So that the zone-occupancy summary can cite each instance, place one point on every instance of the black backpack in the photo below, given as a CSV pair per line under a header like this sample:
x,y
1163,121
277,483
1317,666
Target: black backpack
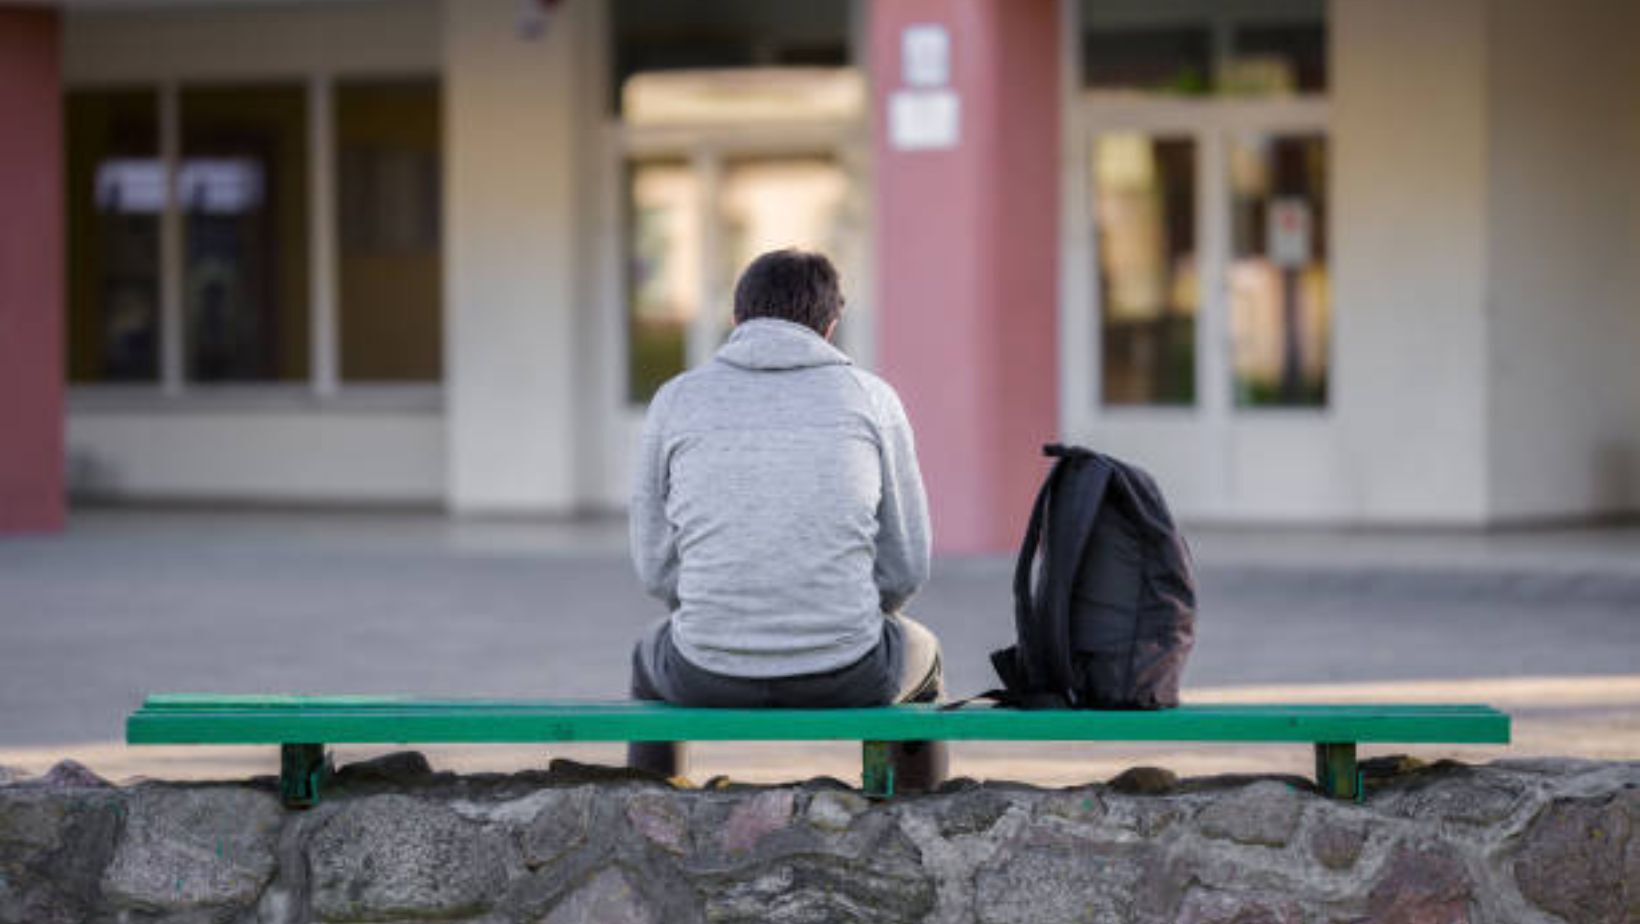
x,y
1110,617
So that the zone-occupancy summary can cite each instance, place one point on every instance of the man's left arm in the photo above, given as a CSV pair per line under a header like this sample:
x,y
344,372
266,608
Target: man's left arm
x,y
903,552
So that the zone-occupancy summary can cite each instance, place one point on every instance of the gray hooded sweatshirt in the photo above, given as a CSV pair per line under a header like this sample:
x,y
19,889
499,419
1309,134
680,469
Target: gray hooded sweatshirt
x,y
777,507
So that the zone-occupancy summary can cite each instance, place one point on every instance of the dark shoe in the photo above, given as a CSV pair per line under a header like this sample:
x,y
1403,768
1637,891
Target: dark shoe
x,y
662,758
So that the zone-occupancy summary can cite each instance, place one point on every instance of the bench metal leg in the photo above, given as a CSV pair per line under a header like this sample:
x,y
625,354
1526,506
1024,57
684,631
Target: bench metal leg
x,y
1336,772
303,769
877,769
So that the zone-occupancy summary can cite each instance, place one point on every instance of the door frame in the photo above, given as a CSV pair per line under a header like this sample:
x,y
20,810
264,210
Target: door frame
x,y
707,149
1191,443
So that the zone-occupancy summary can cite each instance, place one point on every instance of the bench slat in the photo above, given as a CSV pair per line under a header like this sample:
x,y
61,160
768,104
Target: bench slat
x,y
217,719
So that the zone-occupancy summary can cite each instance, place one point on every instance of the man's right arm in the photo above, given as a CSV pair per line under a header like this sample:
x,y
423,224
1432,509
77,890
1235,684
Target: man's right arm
x,y
653,539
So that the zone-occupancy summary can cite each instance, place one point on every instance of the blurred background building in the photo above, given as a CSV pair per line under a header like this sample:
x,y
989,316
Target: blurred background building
x,y
1347,262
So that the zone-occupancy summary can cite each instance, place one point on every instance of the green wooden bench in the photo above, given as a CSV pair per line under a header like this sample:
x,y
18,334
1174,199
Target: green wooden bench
x,y
304,725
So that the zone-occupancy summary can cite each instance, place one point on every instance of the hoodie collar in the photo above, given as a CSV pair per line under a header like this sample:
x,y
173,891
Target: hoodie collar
x,y
773,344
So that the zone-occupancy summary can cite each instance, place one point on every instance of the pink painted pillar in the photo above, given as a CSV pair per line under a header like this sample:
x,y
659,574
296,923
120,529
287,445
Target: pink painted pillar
x,y
31,272
967,255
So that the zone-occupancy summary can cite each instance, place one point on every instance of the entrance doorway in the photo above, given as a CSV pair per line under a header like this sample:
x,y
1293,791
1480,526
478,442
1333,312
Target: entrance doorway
x,y
693,224
694,205
1197,312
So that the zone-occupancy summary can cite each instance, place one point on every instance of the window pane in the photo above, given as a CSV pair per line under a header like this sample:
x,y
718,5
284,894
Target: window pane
x,y
1262,48
768,204
663,272
242,186
650,36
1280,315
1145,219
389,269
116,192
1169,60
1278,59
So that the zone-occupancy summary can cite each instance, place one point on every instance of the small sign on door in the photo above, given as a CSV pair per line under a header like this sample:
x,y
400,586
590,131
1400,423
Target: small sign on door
x,y
1289,238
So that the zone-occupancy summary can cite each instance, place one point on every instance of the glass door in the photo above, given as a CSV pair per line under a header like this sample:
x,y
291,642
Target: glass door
x,y
1149,280
1280,314
694,224
1198,301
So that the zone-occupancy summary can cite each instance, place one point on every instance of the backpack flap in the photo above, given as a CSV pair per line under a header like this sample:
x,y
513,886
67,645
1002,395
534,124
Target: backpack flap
x,y
1135,599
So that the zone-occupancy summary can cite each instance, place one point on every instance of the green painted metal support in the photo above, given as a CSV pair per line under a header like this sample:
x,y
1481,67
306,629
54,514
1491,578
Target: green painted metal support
x,y
303,770
1335,770
877,769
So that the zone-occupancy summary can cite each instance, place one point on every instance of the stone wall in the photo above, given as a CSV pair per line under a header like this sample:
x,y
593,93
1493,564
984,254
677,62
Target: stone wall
x,y
1539,841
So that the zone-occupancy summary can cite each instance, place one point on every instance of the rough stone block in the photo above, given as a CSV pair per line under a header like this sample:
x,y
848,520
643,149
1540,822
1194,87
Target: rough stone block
x,y
815,888
398,767
658,817
1336,843
1580,859
754,818
1208,906
835,810
1464,797
185,848
1144,781
559,826
53,850
395,856
607,898
1421,885
1056,880
1263,813
71,774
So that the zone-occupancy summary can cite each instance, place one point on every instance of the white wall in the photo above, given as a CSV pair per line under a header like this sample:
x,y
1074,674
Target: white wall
x,y
365,36
1564,274
510,258
266,455
1410,151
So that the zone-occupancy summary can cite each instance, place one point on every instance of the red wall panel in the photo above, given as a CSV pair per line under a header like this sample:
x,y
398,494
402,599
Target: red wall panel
x,y
31,272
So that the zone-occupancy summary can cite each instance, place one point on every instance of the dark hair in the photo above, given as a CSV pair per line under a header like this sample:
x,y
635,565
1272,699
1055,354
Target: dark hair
x,y
792,285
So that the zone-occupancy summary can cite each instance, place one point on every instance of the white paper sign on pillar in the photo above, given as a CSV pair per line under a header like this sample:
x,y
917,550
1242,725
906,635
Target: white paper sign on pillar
x,y
927,114
924,120
925,55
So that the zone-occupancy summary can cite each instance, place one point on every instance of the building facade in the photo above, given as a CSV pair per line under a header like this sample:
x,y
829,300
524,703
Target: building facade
x,y
1350,262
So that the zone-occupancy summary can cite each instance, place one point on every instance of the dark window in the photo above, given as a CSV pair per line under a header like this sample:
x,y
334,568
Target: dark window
x,y
116,194
242,187
1175,60
667,35
1144,191
663,290
1296,55
1280,304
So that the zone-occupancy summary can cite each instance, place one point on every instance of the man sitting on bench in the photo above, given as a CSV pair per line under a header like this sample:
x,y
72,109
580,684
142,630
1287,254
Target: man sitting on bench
x,y
778,511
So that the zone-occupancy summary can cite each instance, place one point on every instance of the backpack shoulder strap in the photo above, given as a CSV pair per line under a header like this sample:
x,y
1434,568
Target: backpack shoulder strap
x,y
1021,667
1064,512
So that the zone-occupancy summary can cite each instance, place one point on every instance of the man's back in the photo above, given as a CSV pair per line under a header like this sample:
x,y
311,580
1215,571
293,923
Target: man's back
x,y
777,506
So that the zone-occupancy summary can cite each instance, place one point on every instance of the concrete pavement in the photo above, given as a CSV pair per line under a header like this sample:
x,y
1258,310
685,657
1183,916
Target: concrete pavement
x,y
131,600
